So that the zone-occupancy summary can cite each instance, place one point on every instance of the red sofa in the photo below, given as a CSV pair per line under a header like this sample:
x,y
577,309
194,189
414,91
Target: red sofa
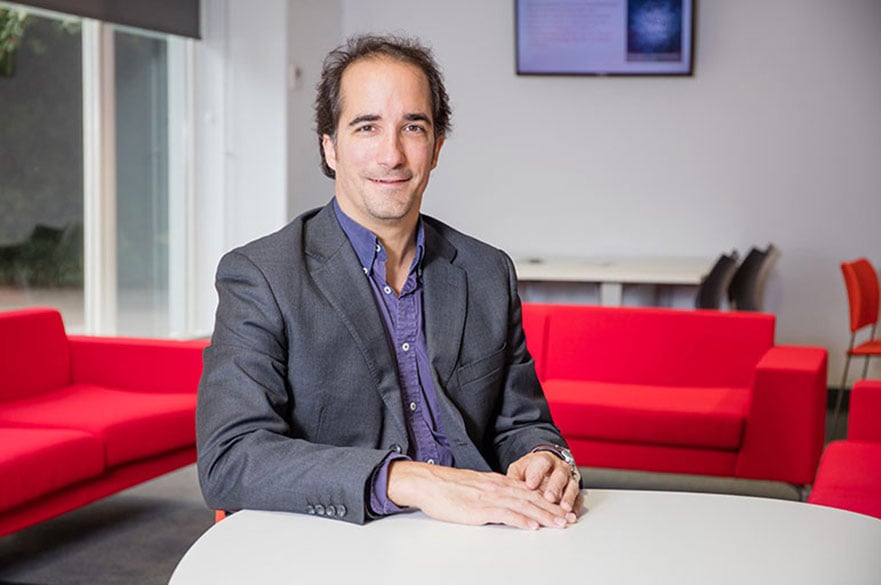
x,y
849,476
84,417
696,392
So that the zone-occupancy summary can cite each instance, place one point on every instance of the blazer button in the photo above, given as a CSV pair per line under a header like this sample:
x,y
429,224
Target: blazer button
x,y
331,511
341,510
319,509
396,448
310,509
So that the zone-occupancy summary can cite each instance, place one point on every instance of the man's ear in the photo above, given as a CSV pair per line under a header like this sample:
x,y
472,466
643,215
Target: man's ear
x,y
437,148
329,150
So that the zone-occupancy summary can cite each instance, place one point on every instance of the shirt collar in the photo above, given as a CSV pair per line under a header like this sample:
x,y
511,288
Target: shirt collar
x,y
367,245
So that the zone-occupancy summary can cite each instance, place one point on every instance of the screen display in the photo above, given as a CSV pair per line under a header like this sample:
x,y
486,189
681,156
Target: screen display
x,y
604,37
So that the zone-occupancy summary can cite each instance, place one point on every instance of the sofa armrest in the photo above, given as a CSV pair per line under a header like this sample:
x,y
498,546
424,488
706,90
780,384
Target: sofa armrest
x,y
153,365
786,421
864,420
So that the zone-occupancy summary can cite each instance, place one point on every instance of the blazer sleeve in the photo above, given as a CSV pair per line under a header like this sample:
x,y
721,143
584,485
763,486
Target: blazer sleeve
x,y
249,454
524,420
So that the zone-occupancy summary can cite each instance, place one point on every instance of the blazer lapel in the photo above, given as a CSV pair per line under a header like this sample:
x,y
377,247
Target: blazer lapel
x,y
445,293
335,268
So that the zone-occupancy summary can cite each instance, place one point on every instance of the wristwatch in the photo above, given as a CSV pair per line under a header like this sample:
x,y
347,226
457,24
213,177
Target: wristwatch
x,y
564,454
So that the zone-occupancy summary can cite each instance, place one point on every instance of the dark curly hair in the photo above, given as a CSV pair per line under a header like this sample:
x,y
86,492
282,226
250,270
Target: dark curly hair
x,y
408,50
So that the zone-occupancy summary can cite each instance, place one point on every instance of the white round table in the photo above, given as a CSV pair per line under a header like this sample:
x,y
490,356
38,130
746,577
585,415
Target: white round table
x,y
624,537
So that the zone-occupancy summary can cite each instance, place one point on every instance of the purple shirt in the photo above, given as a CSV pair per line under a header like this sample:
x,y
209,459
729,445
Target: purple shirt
x,y
402,316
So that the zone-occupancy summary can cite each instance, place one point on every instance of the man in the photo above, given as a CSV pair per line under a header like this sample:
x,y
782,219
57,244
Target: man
x,y
367,359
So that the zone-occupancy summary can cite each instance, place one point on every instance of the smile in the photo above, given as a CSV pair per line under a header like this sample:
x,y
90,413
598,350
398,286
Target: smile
x,y
390,181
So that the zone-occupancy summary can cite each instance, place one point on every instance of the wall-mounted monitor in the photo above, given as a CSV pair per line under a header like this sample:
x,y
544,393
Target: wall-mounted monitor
x,y
605,37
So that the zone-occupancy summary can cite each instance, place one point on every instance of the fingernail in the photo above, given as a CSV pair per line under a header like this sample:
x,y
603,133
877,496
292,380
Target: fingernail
x,y
571,517
560,521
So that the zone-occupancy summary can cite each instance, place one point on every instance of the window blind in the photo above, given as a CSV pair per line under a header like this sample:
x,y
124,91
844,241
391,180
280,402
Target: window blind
x,y
176,17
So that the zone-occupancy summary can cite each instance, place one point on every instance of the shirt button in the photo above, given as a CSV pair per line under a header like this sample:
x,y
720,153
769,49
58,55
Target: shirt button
x,y
430,461
387,290
412,406
396,448
405,346
378,247
364,268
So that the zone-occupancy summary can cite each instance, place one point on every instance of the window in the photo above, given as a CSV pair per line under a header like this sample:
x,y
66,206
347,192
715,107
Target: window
x,y
41,167
94,175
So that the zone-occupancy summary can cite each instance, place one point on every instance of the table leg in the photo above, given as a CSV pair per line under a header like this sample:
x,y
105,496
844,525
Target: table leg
x,y
611,294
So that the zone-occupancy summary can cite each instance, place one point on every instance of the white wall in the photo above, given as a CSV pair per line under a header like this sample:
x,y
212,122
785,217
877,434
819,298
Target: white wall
x,y
315,28
776,138
241,126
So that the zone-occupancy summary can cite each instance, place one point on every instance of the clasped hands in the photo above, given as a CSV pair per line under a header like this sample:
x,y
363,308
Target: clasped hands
x,y
537,491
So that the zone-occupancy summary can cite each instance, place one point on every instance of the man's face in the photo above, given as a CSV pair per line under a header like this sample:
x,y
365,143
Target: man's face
x,y
385,147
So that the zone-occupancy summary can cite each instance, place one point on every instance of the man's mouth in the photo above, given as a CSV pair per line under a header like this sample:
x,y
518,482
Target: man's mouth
x,y
390,180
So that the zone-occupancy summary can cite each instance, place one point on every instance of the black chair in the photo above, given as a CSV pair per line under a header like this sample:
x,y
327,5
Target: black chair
x,y
747,289
714,285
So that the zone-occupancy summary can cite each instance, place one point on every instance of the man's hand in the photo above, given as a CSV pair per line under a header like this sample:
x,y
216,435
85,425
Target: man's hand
x,y
551,476
472,497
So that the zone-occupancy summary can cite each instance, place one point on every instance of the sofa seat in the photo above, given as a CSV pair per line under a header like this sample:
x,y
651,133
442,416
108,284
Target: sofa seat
x,y
132,425
849,477
38,461
705,418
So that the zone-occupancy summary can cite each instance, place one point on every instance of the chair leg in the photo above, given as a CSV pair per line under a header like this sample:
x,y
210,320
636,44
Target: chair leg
x,y
841,389
865,367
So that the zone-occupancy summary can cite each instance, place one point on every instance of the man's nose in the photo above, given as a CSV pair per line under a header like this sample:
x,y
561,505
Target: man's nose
x,y
391,153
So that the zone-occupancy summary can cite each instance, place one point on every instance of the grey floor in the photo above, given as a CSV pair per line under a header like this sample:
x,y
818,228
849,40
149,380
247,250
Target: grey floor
x,y
134,537
139,535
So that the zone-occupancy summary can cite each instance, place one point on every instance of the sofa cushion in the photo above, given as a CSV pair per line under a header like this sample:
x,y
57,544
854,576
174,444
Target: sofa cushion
x,y
535,323
662,415
133,425
36,461
849,477
664,347
34,355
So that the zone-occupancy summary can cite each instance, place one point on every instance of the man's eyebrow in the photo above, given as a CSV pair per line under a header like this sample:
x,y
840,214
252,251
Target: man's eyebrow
x,y
364,118
418,118
414,117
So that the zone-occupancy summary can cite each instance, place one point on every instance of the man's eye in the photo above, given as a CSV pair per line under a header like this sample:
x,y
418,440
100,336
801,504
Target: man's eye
x,y
366,128
415,128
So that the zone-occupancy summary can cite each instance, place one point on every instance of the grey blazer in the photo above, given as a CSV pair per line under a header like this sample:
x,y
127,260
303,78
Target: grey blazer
x,y
299,400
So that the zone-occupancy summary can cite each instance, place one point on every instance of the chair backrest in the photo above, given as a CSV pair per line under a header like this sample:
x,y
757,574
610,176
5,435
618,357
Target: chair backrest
x,y
714,285
747,288
861,281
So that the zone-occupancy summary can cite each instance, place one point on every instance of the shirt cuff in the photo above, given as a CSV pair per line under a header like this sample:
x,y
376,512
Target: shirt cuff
x,y
380,504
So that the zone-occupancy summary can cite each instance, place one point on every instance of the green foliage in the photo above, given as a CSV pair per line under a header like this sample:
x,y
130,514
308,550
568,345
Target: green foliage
x,y
12,24
50,257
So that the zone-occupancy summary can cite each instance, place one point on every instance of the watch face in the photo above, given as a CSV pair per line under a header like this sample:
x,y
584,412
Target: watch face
x,y
567,455
568,458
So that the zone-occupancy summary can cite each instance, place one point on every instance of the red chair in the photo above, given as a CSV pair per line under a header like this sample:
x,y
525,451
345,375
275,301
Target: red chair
x,y
849,474
861,281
